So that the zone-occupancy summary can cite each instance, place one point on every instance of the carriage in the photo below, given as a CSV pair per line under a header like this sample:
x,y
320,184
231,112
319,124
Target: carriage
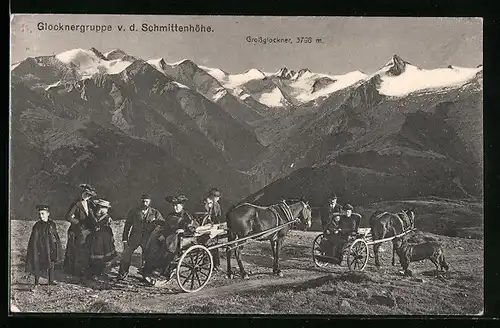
x,y
355,250
193,263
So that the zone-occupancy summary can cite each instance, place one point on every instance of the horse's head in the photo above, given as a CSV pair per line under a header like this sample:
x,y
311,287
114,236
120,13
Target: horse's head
x,y
305,215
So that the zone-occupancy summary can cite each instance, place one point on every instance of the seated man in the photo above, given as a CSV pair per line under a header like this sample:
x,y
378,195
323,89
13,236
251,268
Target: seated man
x,y
163,245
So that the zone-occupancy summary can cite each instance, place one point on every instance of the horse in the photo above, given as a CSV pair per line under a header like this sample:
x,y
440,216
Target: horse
x,y
248,219
386,225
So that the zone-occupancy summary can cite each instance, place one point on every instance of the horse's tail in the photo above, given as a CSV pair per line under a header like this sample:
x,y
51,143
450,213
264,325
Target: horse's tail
x,y
228,215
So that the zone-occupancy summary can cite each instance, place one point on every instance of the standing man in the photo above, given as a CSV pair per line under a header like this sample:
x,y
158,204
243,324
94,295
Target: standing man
x,y
330,214
44,247
140,224
210,206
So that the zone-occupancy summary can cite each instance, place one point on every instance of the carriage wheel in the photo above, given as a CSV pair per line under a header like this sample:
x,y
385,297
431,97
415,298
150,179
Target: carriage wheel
x,y
194,268
316,251
358,255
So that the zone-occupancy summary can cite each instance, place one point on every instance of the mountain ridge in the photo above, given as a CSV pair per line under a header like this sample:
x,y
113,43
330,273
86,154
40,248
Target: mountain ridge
x,y
250,133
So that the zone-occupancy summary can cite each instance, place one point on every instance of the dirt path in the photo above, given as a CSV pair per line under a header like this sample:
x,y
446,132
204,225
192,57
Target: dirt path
x,y
238,285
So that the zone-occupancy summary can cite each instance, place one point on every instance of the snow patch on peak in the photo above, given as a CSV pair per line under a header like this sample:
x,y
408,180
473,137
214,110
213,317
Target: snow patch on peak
x,y
53,85
182,61
303,86
415,79
180,85
245,96
216,73
79,57
88,63
237,80
274,98
115,54
285,73
157,63
219,93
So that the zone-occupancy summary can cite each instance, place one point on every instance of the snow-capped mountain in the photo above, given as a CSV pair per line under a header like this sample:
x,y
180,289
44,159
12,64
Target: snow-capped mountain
x,y
400,124
91,62
399,78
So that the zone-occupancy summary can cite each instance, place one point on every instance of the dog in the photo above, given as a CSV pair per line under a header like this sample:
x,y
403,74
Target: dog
x,y
408,253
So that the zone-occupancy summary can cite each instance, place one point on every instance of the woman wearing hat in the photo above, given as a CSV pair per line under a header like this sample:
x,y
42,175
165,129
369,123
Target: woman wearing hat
x,y
80,214
101,242
162,246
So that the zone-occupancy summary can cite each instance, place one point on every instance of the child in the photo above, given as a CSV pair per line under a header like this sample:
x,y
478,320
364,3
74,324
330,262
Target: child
x,y
44,247
101,241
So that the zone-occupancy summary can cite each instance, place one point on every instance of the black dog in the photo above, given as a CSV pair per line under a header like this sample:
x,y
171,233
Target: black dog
x,y
412,253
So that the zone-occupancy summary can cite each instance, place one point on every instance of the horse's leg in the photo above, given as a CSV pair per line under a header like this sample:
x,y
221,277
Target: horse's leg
x,y
279,244
393,253
375,252
273,251
230,238
436,263
237,251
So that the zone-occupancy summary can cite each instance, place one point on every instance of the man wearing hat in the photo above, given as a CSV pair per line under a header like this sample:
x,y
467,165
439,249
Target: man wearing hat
x,y
330,214
80,214
139,226
44,247
210,206
162,247
101,242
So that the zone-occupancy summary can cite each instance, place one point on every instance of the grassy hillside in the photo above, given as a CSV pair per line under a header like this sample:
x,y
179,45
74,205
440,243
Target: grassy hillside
x,y
453,218
304,289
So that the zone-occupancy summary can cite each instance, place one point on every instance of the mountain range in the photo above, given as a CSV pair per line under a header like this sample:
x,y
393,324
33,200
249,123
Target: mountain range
x,y
130,125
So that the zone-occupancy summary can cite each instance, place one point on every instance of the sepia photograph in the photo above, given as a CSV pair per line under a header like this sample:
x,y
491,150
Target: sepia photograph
x,y
258,165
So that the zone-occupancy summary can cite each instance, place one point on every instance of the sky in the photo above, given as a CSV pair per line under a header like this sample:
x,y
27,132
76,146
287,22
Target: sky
x,y
348,43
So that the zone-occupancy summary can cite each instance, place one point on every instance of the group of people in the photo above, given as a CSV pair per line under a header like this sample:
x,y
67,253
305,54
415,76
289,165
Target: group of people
x,y
338,223
90,248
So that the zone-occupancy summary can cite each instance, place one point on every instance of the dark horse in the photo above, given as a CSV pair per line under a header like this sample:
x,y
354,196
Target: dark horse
x,y
386,225
247,219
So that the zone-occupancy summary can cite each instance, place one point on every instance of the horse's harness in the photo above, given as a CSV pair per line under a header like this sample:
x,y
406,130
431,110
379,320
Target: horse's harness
x,y
398,215
287,212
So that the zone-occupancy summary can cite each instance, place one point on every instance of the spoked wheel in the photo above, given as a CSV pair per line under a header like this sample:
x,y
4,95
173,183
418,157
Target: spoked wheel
x,y
317,253
358,255
194,268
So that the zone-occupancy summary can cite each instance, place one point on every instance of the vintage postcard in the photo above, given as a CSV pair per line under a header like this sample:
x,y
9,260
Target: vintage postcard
x,y
246,165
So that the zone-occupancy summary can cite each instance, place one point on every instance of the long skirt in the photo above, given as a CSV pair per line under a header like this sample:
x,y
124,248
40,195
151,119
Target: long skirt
x,y
159,254
102,251
76,258
332,245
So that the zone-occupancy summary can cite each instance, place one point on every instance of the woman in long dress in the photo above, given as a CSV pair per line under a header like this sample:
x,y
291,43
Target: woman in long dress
x,y
101,242
80,214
